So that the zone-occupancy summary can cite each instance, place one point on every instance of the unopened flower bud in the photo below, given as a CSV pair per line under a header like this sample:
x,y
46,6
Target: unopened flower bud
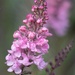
x,y
16,34
29,15
41,7
30,19
31,35
45,3
34,8
22,28
44,29
25,21
35,1
39,21
47,18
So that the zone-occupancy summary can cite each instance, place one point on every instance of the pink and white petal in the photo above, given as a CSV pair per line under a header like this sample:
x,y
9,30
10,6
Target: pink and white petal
x,y
17,70
13,47
17,54
10,51
45,48
24,46
10,69
25,61
9,63
7,57
42,65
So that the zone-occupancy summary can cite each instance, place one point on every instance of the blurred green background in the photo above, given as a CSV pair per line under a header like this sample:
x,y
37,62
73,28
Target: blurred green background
x,y
12,12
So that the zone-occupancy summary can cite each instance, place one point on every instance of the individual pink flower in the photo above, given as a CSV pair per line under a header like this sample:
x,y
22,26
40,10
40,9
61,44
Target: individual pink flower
x,y
15,68
40,62
42,45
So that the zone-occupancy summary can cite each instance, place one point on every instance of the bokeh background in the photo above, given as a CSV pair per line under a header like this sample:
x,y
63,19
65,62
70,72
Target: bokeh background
x,y
12,12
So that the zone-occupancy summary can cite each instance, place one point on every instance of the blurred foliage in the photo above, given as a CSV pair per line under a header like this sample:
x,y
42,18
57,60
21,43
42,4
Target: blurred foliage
x,y
12,12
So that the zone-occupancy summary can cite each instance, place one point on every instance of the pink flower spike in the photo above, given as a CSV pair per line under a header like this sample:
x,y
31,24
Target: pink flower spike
x,y
30,42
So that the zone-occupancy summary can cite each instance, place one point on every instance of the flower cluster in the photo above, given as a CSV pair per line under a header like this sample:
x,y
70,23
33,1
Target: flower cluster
x,y
30,41
58,11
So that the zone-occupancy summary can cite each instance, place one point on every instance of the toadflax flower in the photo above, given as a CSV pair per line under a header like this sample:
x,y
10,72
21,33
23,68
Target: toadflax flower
x,y
59,12
30,42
